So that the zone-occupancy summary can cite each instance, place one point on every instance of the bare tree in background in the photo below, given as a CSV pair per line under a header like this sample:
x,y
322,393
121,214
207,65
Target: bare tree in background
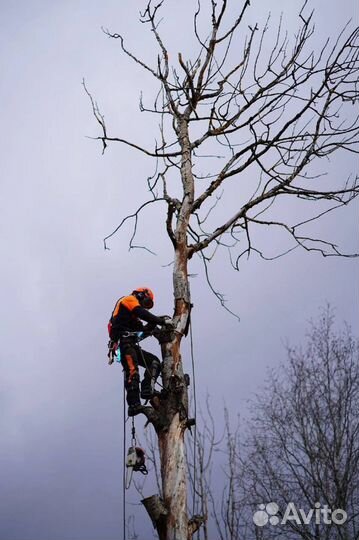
x,y
268,112
302,444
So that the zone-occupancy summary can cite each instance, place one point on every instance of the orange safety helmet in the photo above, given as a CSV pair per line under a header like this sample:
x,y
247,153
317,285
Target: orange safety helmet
x,y
145,296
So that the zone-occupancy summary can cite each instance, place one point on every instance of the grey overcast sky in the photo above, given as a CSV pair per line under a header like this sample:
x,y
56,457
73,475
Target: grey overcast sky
x,y
60,404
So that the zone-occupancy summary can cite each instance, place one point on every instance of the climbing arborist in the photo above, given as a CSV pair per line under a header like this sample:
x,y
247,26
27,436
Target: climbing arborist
x,y
123,328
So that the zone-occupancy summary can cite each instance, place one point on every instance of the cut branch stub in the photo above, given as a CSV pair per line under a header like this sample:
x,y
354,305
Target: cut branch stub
x,y
157,512
194,524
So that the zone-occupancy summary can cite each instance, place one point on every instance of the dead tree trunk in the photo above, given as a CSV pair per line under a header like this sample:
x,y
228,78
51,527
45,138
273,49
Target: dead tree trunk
x,y
171,423
173,409
171,439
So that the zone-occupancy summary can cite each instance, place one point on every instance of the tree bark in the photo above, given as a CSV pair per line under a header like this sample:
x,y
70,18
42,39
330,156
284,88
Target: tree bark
x,y
170,417
175,413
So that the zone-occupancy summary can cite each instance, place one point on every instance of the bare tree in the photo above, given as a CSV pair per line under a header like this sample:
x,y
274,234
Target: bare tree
x,y
267,113
302,444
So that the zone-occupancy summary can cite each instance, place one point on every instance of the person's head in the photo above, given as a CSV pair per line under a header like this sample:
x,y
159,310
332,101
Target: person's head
x,y
145,297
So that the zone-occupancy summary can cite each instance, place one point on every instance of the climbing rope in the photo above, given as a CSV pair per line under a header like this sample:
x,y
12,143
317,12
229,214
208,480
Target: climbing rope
x,y
124,461
195,417
133,432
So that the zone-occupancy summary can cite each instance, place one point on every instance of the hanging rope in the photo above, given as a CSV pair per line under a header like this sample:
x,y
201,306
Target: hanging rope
x,y
133,432
124,461
195,417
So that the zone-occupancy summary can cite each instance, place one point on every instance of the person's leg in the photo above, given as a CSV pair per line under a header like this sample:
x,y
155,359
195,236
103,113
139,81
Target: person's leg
x,y
129,360
152,367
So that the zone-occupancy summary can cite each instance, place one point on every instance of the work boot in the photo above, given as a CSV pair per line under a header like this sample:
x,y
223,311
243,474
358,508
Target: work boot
x,y
134,409
133,394
146,389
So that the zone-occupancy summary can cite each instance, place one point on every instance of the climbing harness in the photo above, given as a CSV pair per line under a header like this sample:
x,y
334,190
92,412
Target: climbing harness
x,y
114,351
136,460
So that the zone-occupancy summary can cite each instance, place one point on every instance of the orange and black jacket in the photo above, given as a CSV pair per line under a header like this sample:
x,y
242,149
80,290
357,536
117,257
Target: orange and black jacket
x,y
126,317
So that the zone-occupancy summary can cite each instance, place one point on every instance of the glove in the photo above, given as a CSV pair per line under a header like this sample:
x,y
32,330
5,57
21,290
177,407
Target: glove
x,y
166,321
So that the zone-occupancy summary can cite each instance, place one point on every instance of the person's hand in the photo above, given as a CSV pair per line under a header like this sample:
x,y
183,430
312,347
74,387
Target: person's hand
x,y
166,321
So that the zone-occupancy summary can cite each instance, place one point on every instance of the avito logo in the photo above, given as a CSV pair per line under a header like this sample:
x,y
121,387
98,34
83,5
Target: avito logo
x,y
267,513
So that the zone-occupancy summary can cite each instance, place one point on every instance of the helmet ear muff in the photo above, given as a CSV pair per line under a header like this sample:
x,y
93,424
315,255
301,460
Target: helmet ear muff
x,y
147,302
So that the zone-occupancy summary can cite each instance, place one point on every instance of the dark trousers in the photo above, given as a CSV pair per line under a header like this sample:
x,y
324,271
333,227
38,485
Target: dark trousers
x,y
133,356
